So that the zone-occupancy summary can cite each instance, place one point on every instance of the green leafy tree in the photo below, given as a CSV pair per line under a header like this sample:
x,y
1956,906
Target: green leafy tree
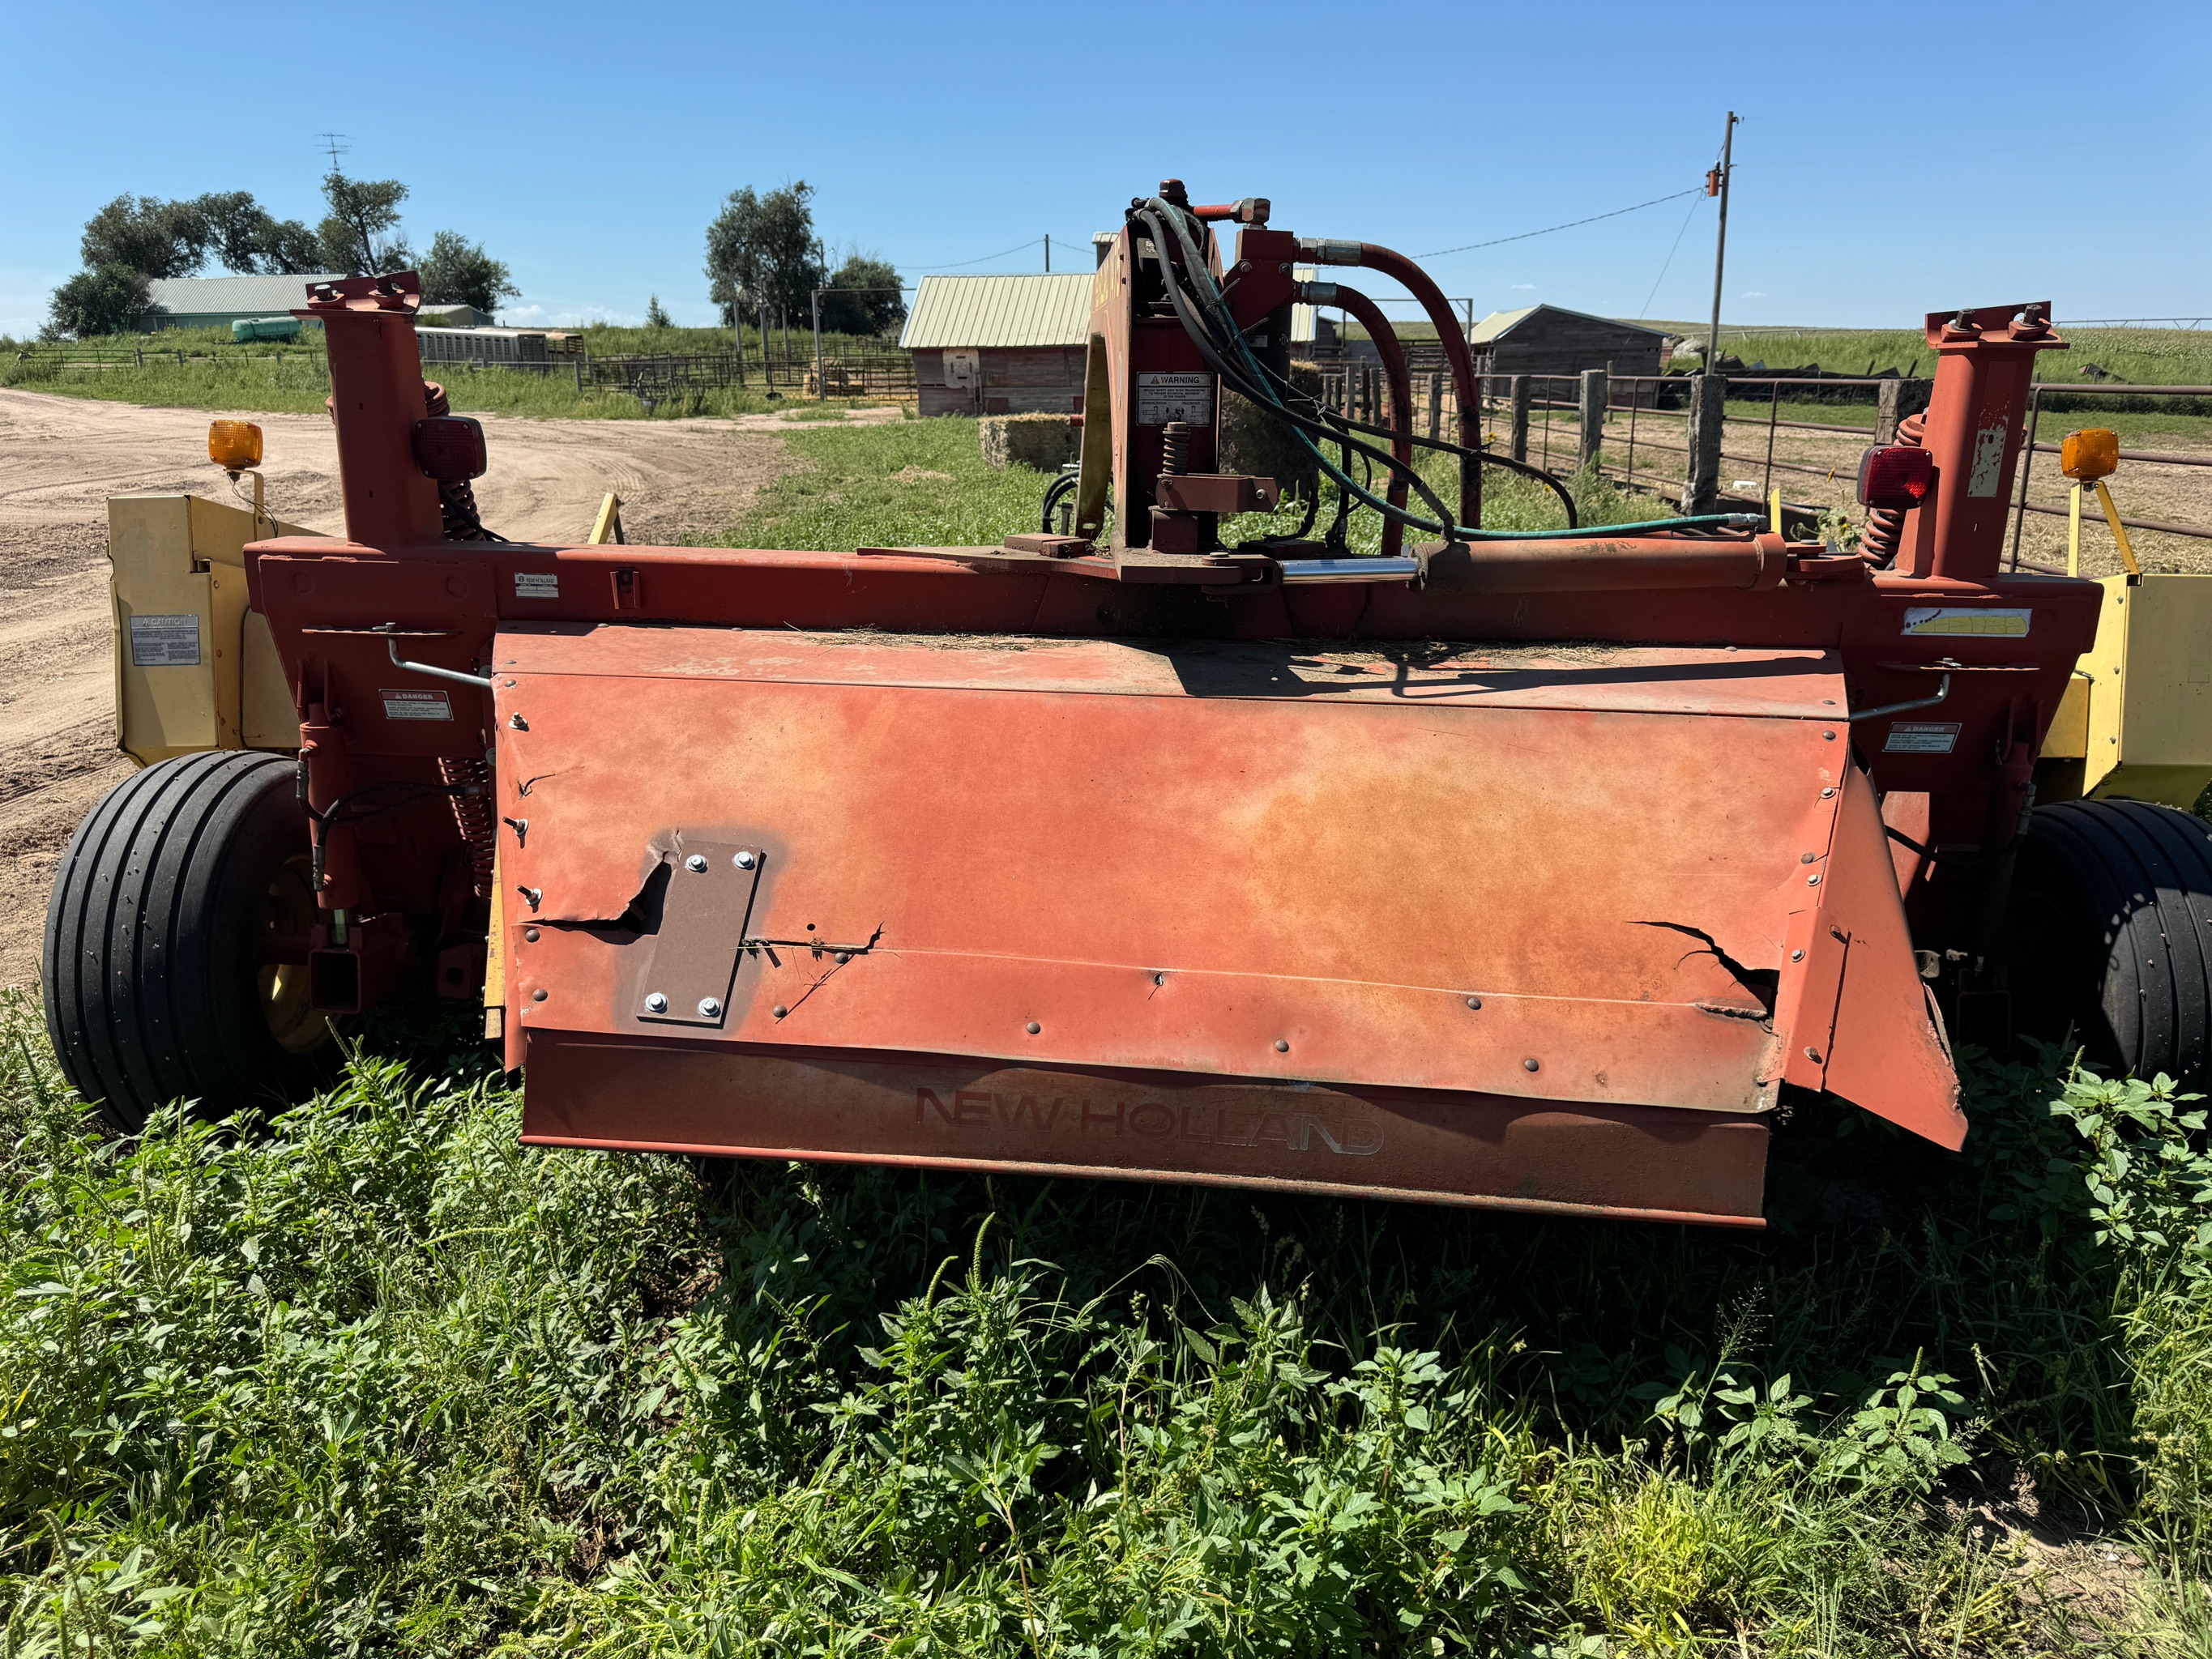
x,y
246,237
109,298
864,298
656,314
459,272
356,235
148,235
761,250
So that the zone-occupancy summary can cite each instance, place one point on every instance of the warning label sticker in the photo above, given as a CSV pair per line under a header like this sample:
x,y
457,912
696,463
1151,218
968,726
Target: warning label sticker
x,y
1984,620
1922,737
410,705
1164,397
537,584
165,642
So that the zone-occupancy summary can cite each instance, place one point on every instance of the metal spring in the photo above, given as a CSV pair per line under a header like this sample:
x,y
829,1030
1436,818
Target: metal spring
x,y
1886,524
472,815
1175,439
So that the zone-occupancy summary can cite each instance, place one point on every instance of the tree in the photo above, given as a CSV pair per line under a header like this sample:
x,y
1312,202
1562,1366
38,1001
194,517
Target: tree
x,y
761,251
353,233
148,235
109,298
864,298
459,272
656,314
246,238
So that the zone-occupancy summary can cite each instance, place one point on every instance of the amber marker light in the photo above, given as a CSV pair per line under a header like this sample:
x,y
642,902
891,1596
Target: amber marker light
x,y
234,445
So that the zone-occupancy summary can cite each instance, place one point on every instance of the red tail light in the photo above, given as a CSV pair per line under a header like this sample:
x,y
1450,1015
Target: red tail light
x,y
1896,479
450,449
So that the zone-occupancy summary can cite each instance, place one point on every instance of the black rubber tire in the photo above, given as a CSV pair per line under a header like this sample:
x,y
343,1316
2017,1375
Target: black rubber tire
x,y
2111,935
154,986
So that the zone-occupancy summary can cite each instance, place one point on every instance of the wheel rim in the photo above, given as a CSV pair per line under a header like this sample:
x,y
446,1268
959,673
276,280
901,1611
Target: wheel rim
x,y
288,912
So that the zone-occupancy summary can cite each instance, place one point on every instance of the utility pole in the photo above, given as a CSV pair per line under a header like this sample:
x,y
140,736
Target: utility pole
x,y
1717,183
1048,253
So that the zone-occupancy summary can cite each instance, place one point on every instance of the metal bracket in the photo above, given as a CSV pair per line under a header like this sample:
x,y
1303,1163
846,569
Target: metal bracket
x,y
693,962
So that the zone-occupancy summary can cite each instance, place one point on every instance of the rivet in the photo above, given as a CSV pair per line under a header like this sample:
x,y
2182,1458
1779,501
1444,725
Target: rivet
x,y
744,860
779,1011
1159,979
655,1003
696,864
1282,1045
529,934
537,995
1812,881
1813,1055
1830,736
1035,1028
1475,1002
1804,857
843,957
1796,956
1826,794
709,1008
1528,1066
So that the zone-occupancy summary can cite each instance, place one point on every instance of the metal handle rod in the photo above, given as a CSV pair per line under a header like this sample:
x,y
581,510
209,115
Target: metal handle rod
x,y
392,646
1942,690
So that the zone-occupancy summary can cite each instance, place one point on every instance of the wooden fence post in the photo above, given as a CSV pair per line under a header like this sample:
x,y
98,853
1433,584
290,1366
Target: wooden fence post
x,y
1435,406
1519,393
1708,407
1593,416
1896,400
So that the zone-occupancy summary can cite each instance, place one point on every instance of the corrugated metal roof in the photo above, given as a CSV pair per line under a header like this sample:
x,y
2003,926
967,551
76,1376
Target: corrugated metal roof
x,y
256,295
999,311
1502,322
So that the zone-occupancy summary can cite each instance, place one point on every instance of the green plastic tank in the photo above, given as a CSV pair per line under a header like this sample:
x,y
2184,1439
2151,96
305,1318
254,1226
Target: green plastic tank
x,y
265,328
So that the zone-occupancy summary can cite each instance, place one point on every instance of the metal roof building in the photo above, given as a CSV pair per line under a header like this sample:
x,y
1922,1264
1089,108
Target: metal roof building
x,y
999,345
1554,340
219,301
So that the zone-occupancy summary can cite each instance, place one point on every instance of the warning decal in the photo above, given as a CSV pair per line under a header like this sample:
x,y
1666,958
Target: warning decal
x,y
165,642
1164,397
410,705
1986,620
1922,737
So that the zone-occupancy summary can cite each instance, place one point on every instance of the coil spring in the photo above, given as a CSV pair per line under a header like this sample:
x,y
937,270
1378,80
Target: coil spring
x,y
471,815
1886,524
459,518
1174,441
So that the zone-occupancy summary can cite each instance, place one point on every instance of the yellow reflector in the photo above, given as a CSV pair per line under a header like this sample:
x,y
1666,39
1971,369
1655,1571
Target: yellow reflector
x,y
234,446
2089,454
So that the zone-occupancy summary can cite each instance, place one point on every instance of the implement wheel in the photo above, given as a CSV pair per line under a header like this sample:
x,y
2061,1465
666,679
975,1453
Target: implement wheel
x,y
176,948
2110,935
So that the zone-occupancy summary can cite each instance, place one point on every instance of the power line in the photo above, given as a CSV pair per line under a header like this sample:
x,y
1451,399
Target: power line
x,y
1033,241
1675,196
1669,259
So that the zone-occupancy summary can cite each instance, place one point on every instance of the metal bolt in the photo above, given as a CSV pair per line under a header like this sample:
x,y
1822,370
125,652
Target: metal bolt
x,y
709,1008
1159,979
1796,956
744,860
1475,1002
518,722
537,995
529,934
696,864
1035,1028
1830,736
1812,881
1282,1045
1528,1066
843,957
1804,857
1826,794
1813,1055
655,1003
780,1011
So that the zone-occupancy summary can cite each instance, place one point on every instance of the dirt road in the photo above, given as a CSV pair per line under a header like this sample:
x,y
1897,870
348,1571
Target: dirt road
x,y
61,458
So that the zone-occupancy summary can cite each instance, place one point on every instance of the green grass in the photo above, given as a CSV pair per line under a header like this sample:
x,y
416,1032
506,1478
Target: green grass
x,y
383,1381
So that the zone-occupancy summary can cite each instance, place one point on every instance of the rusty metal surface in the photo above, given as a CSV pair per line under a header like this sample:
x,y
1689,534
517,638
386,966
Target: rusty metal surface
x,y
1623,1162
1560,876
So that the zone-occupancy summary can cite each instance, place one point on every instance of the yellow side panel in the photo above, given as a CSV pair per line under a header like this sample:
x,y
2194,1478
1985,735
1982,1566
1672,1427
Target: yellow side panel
x,y
2068,737
268,719
2106,667
2158,739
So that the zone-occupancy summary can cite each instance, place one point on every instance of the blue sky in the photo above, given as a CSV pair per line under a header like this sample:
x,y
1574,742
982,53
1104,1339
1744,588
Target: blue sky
x,y
1893,158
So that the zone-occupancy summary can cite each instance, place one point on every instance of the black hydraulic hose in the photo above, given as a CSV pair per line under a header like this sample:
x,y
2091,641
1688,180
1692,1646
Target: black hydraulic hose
x,y
1152,212
1053,491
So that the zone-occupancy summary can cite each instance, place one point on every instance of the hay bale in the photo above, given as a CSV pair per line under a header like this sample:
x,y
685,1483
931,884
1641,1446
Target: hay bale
x,y
1047,442
1259,444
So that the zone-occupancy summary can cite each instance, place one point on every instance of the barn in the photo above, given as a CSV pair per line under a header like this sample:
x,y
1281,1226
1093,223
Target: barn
x,y
999,345
219,301
1552,340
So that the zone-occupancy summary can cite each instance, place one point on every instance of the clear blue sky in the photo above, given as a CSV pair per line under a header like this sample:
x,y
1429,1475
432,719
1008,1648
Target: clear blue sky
x,y
1893,157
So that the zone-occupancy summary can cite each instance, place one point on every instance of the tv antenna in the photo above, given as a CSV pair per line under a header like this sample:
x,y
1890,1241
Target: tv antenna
x,y
334,142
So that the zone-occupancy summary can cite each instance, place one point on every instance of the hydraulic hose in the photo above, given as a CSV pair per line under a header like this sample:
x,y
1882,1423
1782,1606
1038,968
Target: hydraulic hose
x,y
1157,215
1401,403
1418,283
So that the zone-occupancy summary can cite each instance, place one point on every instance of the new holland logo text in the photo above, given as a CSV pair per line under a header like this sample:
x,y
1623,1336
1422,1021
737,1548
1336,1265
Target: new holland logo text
x,y
1294,1130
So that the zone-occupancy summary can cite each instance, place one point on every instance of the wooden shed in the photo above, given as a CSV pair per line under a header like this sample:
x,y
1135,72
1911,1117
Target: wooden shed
x,y
1552,340
999,345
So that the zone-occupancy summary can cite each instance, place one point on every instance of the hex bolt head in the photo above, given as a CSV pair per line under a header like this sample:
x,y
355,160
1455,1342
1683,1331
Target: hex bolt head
x,y
696,864
655,1003
1282,1045
709,1008
537,995
1033,1028
1530,1066
745,860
